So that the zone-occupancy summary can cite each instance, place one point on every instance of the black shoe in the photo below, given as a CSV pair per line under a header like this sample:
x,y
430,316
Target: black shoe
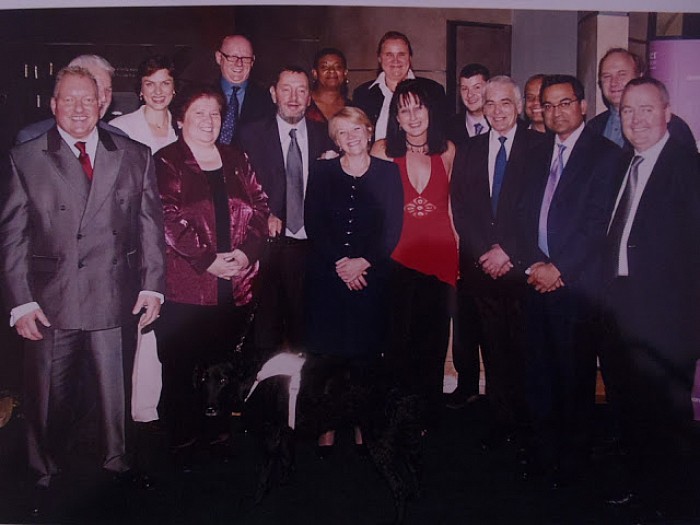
x,y
457,400
324,451
39,501
361,450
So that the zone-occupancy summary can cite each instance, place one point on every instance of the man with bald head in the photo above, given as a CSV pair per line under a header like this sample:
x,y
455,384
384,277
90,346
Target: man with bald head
x,y
617,67
102,71
245,100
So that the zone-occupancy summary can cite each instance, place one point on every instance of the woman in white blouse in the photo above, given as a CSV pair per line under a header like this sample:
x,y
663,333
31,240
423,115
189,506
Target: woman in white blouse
x,y
151,124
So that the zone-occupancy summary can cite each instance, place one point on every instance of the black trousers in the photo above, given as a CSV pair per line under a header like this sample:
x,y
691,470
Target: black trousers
x,y
279,318
466,340
419,333
190,335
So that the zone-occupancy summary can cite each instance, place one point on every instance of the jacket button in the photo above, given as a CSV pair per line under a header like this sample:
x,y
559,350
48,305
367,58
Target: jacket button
x,y
62,207
114,261
81,264
114,232
80,236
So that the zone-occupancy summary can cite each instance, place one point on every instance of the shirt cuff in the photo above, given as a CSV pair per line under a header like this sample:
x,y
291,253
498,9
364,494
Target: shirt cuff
x,y
160,296
18,311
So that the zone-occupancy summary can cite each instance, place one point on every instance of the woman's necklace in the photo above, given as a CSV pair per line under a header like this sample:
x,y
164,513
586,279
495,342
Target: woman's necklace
x,y
417,148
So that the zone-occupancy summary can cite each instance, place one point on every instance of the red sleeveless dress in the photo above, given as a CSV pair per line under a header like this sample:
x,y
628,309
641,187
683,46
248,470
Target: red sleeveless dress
x,y
427,243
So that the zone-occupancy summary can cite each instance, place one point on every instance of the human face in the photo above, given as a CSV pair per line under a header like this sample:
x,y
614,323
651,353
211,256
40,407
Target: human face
x,y
533,109
331,74
236,68
395,60
644,116
413,118
158,89
352,137
501,107
471,90
615,72
104,88
75,105
202,122
560,119
292,96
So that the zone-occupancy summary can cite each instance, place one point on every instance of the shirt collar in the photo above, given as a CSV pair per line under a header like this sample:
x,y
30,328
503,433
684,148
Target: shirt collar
x,y
652,154
510,134
381,79
285,127
90,142
226,86
570,141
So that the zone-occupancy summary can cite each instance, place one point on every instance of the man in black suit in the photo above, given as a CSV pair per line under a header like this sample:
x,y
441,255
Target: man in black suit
x,y
487,185
82,229
394,54
470,121
565,213
617,67
283,148
652,288
235,58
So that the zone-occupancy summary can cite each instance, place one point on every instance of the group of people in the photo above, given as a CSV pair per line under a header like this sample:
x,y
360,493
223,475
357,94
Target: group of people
x,y
356,230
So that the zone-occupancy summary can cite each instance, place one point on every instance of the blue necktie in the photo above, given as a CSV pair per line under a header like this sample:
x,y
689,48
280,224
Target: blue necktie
x,y
552,181
229,125
499,172
295,185
478,128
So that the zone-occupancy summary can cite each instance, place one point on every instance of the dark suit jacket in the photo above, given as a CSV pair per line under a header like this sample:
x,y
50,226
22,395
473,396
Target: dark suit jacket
x,y
474,220
257,104
456,129
370,98
678,129
81,250
579,212
260,140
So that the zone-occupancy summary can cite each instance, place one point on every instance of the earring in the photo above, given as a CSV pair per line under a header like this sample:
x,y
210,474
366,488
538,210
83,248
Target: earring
x,y
141,97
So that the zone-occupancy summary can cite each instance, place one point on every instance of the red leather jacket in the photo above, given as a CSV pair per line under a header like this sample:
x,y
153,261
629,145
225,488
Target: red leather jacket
x,y
190,227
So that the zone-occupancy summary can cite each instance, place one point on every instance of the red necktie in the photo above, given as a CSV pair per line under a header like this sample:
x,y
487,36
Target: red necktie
x,y
84,159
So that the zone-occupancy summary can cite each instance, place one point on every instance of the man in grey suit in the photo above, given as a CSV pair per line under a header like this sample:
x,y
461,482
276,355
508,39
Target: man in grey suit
x,y
81,245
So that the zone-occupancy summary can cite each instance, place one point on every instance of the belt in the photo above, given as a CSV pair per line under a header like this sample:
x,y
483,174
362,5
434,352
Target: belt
x,y
283,240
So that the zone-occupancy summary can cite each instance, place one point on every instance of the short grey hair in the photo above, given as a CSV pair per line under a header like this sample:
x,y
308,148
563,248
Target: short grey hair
x,y
93,61
505,80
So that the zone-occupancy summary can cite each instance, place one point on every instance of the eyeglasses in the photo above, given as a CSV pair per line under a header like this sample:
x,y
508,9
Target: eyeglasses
x,y
235,59
564,104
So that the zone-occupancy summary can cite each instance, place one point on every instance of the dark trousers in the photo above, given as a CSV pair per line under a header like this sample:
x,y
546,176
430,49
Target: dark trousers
x,y
466,340
52,368
190,336
279,318
419,333
500,307
561,373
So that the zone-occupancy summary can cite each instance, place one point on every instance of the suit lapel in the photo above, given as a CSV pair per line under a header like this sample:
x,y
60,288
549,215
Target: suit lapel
x,y
107,165
578,160
66,163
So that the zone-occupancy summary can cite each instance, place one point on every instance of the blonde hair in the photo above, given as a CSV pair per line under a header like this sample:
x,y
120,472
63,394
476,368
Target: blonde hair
x,y
354,115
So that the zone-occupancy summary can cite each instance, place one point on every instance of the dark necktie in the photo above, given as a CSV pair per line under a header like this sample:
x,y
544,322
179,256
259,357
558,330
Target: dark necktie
x,y
84,159
552,181
622,213
478,128
295,185
229,125
499,171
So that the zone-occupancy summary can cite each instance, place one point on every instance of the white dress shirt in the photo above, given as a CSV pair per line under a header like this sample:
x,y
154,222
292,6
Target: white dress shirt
x,y
303,140
383,119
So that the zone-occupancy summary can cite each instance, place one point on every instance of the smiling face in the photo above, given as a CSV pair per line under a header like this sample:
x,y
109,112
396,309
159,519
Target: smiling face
x,y
563,113
202,122
236,68
615,72
292,96
158,89
471,91
331,73
395,60
533,109
502,106
351,136
413,118
644,116
75,105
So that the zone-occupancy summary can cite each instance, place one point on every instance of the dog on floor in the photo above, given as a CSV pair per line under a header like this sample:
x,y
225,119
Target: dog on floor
x,y
281,406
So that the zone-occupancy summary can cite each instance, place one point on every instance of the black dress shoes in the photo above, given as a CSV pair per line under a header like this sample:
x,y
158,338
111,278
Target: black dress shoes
x,y
324,451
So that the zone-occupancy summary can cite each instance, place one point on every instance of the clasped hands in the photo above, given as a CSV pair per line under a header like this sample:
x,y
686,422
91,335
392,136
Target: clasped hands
x,y
352,272
229,264
544,277
495,262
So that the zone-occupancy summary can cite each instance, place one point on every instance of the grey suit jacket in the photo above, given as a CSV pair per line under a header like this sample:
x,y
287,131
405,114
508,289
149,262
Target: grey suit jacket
x,y
81,250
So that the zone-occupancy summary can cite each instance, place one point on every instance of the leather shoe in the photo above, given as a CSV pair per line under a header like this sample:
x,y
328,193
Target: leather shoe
x,y
324,451
39,501
361,450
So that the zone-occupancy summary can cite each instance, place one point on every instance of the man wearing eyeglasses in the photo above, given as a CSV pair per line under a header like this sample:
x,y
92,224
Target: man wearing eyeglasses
x,y
565,216
617,67
245,100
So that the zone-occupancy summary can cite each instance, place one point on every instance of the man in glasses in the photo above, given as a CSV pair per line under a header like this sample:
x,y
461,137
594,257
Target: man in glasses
x,y
565,217
245,100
